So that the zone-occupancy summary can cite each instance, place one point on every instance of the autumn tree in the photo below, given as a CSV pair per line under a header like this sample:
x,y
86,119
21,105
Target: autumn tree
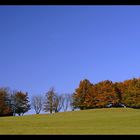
x,y
131,93
5,106
91,98
37,103
81,94
106,94
118,88
96,95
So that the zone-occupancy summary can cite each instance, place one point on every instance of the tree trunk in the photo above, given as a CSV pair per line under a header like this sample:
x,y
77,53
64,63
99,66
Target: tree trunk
x,y
51,111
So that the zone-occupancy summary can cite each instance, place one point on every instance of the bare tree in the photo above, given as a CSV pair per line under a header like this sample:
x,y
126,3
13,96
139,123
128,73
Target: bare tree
x,y
71,102
37,103
59,102
66,102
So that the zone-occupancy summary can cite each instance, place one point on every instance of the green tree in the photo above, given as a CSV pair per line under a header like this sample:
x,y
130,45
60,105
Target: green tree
x,y
20,102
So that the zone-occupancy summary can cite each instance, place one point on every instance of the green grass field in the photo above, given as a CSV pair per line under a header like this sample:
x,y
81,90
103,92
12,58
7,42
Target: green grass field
x,y
96,121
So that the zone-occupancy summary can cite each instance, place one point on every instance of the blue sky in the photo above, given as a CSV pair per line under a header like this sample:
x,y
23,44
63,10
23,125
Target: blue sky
x,y
45,46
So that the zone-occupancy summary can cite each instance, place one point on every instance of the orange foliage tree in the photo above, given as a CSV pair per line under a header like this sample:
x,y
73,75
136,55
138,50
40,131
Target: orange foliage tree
x,y
5,108
81,94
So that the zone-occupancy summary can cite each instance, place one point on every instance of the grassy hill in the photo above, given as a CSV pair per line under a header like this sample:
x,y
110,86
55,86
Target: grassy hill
x,y
96,121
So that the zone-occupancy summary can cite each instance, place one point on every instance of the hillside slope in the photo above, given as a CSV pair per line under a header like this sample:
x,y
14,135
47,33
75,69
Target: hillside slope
x,y
96,121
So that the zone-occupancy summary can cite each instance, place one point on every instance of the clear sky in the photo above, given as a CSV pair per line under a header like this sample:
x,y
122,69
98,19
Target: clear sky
x,y
45,46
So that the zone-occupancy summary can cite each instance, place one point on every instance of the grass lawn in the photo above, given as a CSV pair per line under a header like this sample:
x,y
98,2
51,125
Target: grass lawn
x,y
94,121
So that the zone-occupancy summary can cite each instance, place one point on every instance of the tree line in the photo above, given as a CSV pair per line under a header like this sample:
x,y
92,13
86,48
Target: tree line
x,y
17,102
105,93
86,96
52,102
12,104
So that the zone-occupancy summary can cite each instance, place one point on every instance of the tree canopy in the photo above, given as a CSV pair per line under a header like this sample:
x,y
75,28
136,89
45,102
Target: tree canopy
x,y
101,94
